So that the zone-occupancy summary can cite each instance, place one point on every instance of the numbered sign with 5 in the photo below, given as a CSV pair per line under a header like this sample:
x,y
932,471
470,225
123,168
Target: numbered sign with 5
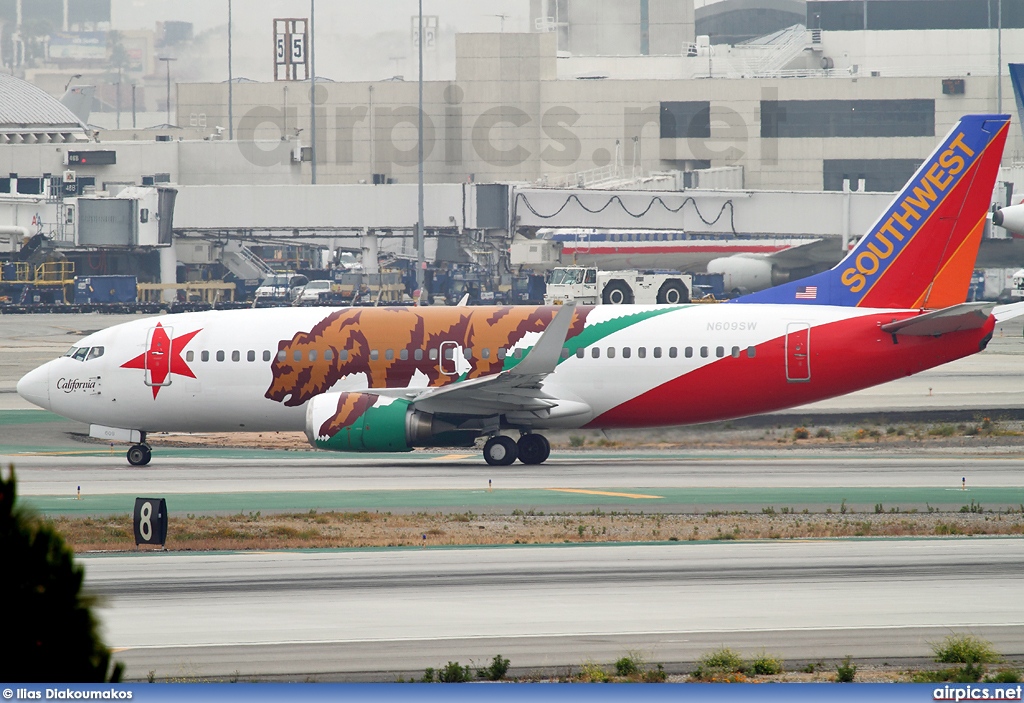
x,y
150,521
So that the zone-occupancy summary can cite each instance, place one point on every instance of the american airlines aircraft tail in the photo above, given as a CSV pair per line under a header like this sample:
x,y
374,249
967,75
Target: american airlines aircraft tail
x,y
391,379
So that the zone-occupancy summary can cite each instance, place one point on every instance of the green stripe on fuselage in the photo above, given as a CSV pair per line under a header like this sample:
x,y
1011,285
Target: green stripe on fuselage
x,y
598,331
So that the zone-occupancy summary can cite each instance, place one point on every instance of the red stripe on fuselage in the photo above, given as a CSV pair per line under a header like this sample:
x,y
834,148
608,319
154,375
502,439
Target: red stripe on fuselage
x,y
845,356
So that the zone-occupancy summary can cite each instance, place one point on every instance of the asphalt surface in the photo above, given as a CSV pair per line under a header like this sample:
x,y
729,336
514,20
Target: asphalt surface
x,y
384,613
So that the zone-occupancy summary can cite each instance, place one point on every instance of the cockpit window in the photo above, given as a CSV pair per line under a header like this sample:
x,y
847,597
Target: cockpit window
x,y
81,353
71,351
95,353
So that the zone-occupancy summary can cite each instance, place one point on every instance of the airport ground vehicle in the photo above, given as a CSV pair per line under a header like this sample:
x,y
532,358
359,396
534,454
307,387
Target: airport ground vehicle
x,y
591,286
279,289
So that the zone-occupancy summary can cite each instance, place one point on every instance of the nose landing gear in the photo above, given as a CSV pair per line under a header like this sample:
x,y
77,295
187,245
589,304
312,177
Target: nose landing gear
x,y
140,454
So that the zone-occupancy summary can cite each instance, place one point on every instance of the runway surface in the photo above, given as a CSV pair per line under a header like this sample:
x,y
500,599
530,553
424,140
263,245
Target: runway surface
x,y
337,614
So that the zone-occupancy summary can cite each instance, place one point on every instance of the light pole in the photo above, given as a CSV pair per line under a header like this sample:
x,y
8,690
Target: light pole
x,y
167,62
312,92
420,246
231,102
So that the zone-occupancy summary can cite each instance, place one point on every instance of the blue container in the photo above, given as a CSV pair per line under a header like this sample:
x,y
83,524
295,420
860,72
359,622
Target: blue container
x,y
105,289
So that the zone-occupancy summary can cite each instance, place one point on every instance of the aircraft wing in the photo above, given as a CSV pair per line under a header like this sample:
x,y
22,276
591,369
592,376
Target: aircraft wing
x,y
966,316
517,389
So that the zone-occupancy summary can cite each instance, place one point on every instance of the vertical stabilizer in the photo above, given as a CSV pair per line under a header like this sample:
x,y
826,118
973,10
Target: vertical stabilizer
x,y
921,251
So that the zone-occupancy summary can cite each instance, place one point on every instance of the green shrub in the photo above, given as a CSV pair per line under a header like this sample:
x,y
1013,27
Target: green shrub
x,y
801,433
496,671
721,664
453,672
629,665
50,633
846,671
1004,676
964,649
576,440
766,665
591,672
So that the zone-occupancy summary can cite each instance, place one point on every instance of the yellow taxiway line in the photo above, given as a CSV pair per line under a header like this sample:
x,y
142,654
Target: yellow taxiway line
x,y
639,496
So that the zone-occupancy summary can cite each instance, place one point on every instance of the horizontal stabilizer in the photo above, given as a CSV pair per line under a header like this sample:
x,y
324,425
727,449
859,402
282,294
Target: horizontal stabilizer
x,y
1008,312
967,316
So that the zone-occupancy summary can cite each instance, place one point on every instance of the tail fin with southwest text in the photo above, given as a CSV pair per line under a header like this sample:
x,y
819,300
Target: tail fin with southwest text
x,y
921,251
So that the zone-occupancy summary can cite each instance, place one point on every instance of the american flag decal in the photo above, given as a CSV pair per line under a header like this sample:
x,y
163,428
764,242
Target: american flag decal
x,y
807,292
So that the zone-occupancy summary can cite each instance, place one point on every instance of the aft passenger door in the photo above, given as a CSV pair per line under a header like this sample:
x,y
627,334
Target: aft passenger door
x,y
798,352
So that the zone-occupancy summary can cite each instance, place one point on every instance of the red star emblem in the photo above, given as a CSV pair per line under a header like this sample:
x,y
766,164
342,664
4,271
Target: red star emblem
x,y
163,358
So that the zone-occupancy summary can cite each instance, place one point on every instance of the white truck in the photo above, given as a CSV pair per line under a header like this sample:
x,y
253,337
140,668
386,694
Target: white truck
x,y
590,286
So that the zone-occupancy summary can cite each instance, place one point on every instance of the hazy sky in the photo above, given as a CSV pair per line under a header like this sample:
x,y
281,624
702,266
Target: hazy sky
x,y
367,40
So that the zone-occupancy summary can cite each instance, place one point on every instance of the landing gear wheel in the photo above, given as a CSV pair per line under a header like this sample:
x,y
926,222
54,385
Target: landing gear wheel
x,y
139,455
500,451
533,449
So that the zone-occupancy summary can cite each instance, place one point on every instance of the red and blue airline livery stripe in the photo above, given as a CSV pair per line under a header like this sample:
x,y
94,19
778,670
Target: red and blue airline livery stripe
x,y
921,251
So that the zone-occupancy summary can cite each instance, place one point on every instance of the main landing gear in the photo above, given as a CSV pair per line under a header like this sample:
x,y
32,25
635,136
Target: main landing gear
x,y
530,449
140,454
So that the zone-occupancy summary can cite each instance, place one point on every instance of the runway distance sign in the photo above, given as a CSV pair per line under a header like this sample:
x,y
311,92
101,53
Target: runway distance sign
x,y
150,521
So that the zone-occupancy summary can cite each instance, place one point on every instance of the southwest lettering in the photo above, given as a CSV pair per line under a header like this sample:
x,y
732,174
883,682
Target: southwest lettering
x,y
938,177
902,217
887,227
881,255
958,143
948,159
923,196
853,280
860,263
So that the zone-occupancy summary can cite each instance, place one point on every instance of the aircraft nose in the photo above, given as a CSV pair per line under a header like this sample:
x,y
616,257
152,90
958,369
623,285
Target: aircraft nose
x,y
35,386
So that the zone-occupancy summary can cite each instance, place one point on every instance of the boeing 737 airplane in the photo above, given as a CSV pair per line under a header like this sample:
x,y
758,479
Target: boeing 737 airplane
x,y
390,379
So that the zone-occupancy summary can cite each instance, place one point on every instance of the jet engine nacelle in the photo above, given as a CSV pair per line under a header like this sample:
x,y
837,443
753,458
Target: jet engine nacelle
x,y
1011,218
368,422
746,274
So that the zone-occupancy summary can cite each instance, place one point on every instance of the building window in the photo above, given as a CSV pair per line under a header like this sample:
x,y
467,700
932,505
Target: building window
x,y
847,118
686,120
879,175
